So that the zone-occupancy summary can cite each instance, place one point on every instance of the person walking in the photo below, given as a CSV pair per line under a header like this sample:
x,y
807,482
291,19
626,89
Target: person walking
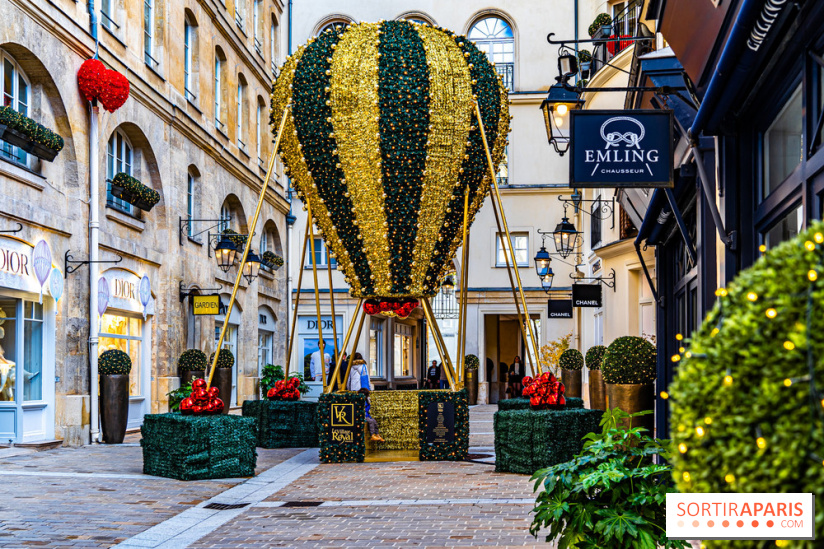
x,y
319,365
433,375
516,375
444,381
359,382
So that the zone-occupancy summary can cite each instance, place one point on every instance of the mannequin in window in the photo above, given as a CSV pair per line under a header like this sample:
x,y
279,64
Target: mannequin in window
x,y
8,377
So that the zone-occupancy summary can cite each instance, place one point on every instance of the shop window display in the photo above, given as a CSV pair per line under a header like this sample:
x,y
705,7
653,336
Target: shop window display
x,y
10,353
126,334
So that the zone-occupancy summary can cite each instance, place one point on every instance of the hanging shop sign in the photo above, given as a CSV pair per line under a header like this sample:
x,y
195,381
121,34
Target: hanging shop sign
x,y
42,260
17,264
342,423
102,295
630,148
586,295
440,422
56,285
560,308
205,304
145,292
129,292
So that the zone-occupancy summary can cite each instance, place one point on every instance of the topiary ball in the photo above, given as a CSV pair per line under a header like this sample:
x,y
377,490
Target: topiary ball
x,y
224,360
595,355
191,360
571,359
742,401
114,362
472,362
629,360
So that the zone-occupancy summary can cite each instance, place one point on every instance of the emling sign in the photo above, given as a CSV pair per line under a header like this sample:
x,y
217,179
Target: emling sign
x,y
631,148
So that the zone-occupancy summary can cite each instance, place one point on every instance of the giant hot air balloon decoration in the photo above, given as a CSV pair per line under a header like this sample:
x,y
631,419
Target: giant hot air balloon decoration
x,y
382,142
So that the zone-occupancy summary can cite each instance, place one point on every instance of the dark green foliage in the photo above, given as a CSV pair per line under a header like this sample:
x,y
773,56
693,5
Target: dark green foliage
x,y
191,360
766,327
459,448
528,440
571,359
271,259
610,496
595,357
600,20
31,129
472,362
523,403
198,447
239,240
404,119
284,424
224,360
114,361
176,397
584,56
629,359
313,122
139,194
331,452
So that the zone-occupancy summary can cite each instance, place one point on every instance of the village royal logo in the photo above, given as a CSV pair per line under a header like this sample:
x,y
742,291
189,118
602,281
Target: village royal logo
x,y
342,425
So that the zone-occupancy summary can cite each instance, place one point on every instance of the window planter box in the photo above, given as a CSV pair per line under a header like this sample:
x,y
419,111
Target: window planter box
x,y
25,143
284,424
134,192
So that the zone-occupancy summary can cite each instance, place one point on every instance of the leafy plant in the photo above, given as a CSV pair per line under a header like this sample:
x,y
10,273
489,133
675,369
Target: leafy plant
x,y
472,362
584,56
31,129
136,189
610,496
239,240
224,360
595,356
191,360
629,360
272,260
571,359
552,351
176,397
271,374
114,362
600,20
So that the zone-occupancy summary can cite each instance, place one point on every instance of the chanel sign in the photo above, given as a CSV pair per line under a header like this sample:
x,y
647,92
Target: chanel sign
x,y
630,148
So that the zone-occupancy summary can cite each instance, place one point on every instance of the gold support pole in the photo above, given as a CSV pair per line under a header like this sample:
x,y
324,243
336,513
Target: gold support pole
x,y
506,226
339,358
297,298
464,287
246,249
354,347
321,343
439,342
332,302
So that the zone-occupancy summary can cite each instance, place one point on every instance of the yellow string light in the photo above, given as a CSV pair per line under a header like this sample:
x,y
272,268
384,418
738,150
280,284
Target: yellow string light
x,y
812,275
730,478
788,382
727,380
686,476
714,332
688,354
681,349
789,345
665,396
762,248
809,245
699,431
819,237
771,313
752,296
676,358
780,543
708,420
682,448
761,442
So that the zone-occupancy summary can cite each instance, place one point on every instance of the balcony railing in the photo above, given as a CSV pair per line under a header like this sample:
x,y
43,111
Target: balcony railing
x,y
507,73
624,25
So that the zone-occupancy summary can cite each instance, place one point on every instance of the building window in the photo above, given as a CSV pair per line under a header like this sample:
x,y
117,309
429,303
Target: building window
x,y
219,104
124,333
148,33
30,354
338,26
376,347
503,168
403,350
256,24
493,36
520,244
106,13
190,201
322,258
225,218
17,95
259,132
788,227
273,46
188,47
242,123
240,14
783,144
264,349
229,342
595,223
119,160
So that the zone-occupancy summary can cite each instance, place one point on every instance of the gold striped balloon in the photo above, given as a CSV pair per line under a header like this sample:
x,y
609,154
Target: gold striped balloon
x,y
382,143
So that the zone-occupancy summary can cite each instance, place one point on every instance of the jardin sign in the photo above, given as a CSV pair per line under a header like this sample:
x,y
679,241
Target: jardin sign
x,y
342,424
586,295
630,148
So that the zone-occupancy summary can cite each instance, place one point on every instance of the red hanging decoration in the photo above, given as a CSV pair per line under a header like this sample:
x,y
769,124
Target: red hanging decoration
x,y
544,392
202,401
400,308
107,86
285,389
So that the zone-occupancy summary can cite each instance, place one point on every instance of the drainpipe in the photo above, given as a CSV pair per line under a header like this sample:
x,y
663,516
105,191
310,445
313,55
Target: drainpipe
x,y
94,226
93,24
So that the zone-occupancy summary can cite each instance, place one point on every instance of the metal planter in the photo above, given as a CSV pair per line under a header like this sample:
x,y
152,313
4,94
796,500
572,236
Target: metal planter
x,y
123,194
471,383
597,391
633,398
223,381
572,382
114,407
24,142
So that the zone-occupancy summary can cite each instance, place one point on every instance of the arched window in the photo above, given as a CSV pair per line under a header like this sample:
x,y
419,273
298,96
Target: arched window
x,y
220,90
225,217
190,58
242,122
337,25
494,37
416,17
273,45
119,159
16,93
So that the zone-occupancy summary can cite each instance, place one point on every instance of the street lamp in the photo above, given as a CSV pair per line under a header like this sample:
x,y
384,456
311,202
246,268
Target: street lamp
x,y
546,280
567,63
566,237
252,267
448,286
559,101
542,260
225,252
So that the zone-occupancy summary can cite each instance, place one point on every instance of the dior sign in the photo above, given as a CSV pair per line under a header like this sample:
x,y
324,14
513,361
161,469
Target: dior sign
x,y
630,148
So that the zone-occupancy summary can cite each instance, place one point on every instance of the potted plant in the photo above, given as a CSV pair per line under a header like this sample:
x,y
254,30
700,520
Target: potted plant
x,y
239,240
629,371
179,395
114,366
610,496
126,187
222,378
272,260
471,381
271,374
25,133
584,62
191,364
571,363
597,389
601,26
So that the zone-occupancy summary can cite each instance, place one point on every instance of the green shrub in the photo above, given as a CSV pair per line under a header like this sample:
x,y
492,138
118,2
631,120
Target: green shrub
x,y
137,189
472,362
31,129
629,359
191,360
595,356
224,360
584,56
271,259
178,395
750,383
600,20
571,359
239,240
114,361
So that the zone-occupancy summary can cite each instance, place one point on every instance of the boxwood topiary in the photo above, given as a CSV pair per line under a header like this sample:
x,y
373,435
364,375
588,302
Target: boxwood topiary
x,y
629,360
746,399
571,359
600,20
272,259
584,56
224,360
595,356
191,360
114,362
472,362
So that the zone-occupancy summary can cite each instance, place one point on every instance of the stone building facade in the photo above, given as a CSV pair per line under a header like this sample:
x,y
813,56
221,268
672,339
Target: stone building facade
x,y
195,129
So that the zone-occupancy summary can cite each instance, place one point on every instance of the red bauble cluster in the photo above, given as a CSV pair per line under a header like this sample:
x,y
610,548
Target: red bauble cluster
x,y
202,401
545,391
401,308
107,86
285,389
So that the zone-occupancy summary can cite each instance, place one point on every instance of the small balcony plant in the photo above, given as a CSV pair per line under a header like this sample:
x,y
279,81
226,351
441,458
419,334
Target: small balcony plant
x,y
23,132
126,187
601,26
272,260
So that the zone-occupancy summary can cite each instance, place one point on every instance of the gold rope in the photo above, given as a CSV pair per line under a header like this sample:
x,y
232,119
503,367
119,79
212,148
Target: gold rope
x,y
297,298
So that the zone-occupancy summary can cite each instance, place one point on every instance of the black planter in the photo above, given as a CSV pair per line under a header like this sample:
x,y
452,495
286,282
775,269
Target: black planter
x,y
18,139
187,377
223,381
124,194
114,407
572,382
472,386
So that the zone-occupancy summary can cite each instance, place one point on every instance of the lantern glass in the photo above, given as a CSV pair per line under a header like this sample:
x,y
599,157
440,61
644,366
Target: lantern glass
x,y
566,237
225,252
448,286
252,267
556,108
567,64
542,261
546,280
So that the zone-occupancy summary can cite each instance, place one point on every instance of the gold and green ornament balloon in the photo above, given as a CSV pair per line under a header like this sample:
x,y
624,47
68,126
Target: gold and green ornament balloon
x,y
382,142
